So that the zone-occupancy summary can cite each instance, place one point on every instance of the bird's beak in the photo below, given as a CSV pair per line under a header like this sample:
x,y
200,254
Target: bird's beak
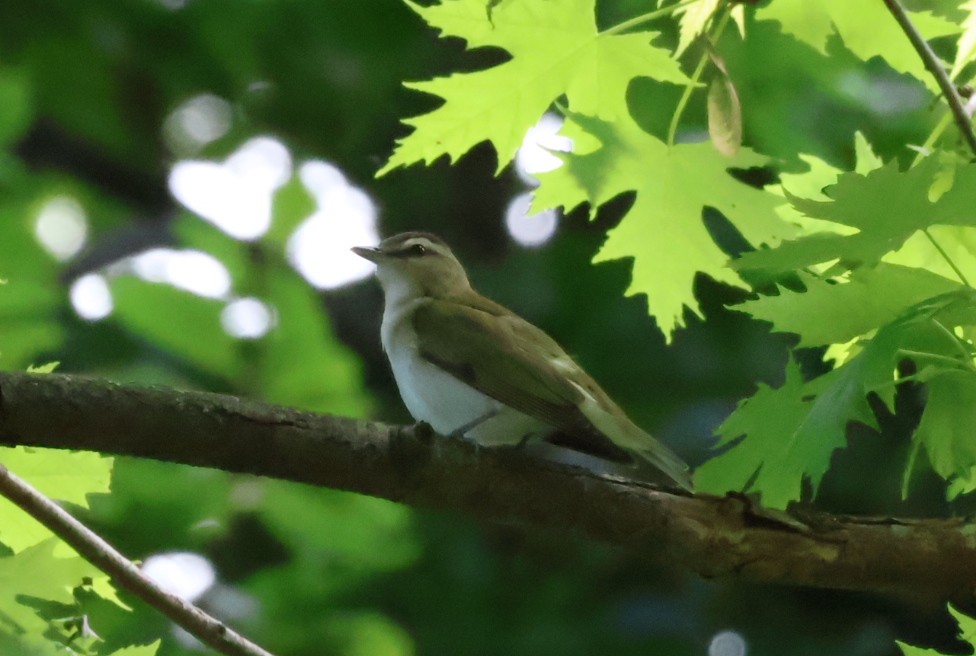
x,y
371,254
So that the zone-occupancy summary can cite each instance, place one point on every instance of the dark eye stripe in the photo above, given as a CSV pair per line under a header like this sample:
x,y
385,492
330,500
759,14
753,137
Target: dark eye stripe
x,y
413,250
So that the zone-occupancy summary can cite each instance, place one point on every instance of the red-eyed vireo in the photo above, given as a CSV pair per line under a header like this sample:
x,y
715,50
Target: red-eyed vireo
x,y
469,367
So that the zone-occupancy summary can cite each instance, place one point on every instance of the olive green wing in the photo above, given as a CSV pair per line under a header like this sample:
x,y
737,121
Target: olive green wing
x,y
505,357
502,356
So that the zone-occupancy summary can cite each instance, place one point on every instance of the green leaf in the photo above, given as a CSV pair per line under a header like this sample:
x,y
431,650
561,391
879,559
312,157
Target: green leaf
x,y
31,301
368,633
46,368
791,431
949,423
293,203
65,475
886,207
342,527
664,231
767,419
139,650
15,105
867,28
811,183
837,311
176,321
692,22
958,243
556,50
37,572
304,364
967,632
966,51
22,340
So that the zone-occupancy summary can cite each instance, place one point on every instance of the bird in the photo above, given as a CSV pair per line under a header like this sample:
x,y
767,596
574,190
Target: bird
x,y
471,368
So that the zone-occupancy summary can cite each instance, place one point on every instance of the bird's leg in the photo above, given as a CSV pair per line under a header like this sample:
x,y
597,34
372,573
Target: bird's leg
x,y
477,421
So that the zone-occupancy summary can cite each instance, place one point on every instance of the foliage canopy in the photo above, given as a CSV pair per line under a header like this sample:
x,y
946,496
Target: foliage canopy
x,y
857,238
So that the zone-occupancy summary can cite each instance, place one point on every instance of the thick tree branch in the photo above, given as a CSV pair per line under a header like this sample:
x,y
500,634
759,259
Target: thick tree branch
x,y
929,560
100,553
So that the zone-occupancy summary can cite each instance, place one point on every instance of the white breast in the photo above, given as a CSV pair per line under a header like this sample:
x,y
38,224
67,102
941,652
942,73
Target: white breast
x,y
440,399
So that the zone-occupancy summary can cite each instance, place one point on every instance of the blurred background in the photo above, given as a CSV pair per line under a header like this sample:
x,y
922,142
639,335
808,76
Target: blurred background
x,y
180,184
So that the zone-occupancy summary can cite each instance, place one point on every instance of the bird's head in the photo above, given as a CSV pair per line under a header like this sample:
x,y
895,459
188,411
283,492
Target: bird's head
x,y
416,264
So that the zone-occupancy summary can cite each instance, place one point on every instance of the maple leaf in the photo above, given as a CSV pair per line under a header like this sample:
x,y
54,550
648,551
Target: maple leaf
x,y
948,422
788,437
791,431
37,572
966,51
867,29
556,50
810,184
664,231
837,311
695,16
886,207
967,632
68,476
692,22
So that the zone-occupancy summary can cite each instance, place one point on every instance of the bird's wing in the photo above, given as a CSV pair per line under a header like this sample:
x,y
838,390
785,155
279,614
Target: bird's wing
x,y
507,358
499,354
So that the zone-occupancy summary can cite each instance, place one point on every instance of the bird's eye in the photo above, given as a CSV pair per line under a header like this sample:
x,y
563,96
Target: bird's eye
x,y
418,249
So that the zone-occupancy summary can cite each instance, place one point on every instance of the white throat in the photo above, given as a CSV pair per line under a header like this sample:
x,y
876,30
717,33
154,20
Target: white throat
x,y
400,294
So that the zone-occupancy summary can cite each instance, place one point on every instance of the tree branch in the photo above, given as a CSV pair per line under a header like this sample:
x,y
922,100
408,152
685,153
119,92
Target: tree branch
x,y
931,61
100,553
931,561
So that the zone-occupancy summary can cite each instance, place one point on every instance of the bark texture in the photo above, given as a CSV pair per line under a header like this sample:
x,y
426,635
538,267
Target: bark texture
x,y
930,561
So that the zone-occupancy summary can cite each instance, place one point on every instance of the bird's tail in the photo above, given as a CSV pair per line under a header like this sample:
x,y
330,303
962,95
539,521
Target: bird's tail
x,y
610,420
664,459
624,433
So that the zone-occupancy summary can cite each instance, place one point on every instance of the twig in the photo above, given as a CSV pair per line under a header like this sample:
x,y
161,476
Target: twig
x,y
695,77
100,553
932,63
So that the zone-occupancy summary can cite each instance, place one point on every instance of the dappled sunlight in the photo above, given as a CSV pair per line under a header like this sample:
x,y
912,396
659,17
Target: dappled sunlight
x,y
535,155
529,230
236,196
62,227
727,643
197,122
191,270
345,217
184,574
247,318
91,297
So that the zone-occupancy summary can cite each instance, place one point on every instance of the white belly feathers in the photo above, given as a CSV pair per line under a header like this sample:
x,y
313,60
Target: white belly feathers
x,y
443,401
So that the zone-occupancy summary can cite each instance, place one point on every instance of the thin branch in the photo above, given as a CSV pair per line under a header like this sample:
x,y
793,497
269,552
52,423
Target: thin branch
x,y
932,63
100,553
955,363
945,256
930,561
